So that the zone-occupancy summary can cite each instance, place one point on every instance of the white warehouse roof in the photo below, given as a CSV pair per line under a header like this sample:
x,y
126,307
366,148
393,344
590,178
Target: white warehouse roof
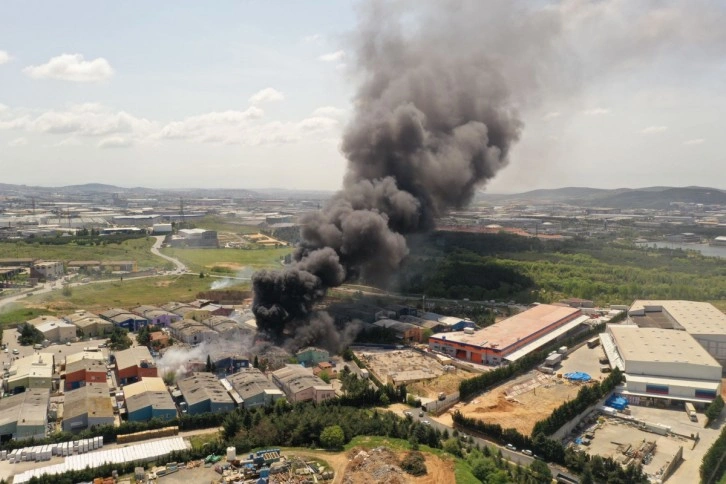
x,y
698,318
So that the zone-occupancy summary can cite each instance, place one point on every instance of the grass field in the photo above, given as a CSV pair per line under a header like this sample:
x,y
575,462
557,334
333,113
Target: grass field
x,y
17,313
224,224
135,249
230,259
126,294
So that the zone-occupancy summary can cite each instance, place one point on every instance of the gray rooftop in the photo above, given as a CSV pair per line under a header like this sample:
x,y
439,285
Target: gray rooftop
x,y
29,407
92,399
203,386
249,382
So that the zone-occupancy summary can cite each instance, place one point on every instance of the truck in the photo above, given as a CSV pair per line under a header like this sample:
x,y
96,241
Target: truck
x,y
691,411
593,342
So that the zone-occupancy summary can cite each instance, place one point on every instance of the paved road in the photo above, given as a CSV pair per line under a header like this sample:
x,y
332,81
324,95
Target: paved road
x,y
180,267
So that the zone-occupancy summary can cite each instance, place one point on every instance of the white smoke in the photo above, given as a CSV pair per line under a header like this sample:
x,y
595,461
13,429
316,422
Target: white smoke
x,y
244,274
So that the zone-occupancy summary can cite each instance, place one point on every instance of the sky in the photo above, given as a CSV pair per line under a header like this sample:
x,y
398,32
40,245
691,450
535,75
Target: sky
x,y
257,94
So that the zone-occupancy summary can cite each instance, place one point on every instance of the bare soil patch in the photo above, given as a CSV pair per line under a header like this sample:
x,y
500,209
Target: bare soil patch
x,y
382,466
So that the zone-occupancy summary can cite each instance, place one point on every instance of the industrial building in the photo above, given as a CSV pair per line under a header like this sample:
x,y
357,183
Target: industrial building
x,y
49,270
84,371
512,338
124,319
25,415
134,363
156,316
199,238
300,384
34,371
662,363
311,356
87,406
54,329
405,332
89,324
253,388
703,321
203,392
192,332
147,399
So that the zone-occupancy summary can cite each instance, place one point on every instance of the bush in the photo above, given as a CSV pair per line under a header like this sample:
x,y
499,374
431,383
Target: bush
x,y
414,464
332,437
714,410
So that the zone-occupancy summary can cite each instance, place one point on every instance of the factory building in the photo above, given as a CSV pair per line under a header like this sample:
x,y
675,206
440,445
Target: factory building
x,y
156,316
512,338
34,371
86,407
203,392
89,324
703,321
192,332
84,371
133,364
405,332
311,356
662,364
300,384
124,319
251,388
48,270
25,415
147,399
54,329
199,238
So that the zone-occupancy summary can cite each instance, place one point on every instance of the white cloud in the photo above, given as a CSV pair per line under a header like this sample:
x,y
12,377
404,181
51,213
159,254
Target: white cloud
x,y
3,107
329,112
314,38
72,67
695,141
115,142
596,111
318,123
18,142
336,56
4,57
212,127
72,141
551,115
266,95
654,129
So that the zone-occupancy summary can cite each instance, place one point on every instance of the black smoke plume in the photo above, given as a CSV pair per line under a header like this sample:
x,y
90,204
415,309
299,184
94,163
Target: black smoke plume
x,y
434,120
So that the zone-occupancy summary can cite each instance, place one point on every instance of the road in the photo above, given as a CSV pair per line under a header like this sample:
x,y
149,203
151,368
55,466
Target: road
x,y
180,267
513,456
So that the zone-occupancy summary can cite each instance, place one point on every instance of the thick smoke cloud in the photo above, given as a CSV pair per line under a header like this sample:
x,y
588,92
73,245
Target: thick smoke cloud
x,y
435,118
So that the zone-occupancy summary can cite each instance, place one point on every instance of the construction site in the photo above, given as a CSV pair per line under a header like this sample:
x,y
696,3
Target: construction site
x,y
423,375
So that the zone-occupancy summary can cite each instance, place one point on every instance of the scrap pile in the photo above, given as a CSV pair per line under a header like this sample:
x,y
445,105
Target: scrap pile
x,y
378,465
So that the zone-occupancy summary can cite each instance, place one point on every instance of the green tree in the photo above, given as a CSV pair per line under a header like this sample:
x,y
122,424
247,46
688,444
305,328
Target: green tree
x,y
231,425
324,376
540,471
332,437
256,362
30,335
119,339
453,447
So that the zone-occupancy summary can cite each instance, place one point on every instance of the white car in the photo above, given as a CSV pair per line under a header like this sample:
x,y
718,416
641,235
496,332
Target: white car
x,y
511,447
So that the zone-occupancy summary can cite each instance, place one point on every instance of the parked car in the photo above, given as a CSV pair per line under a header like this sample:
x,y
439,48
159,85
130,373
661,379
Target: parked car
x,y
511,447
527,452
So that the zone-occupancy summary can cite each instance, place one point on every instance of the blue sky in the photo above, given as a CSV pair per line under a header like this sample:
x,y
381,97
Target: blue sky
x,y
255,94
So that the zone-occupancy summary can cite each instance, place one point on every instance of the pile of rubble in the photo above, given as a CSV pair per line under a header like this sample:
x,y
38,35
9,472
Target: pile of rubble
x,y
378,465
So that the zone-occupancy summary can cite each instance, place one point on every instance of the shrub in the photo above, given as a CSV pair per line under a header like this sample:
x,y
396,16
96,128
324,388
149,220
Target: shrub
x,y
414,464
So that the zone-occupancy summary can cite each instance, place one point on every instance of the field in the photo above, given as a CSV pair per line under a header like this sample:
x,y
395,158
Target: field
x,y
232,259
135,249
129,293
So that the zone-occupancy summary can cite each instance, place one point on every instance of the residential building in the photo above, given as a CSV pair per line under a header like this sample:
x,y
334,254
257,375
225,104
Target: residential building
x,y
87,407
300,384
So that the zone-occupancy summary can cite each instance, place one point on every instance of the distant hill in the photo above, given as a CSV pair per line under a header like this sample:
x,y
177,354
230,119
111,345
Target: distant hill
x,y
647,197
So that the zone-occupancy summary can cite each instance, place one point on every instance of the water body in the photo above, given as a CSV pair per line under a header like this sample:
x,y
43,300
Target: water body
x,y
705,249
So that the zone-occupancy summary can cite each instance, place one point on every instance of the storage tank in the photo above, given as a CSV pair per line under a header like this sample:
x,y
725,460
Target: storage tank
x,y
231,453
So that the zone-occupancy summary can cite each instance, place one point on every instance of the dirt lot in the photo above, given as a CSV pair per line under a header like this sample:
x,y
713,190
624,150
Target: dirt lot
x,y
520,403
381,465
402,364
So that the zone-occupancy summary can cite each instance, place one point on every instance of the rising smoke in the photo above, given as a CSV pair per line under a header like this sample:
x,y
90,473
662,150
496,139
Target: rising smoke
x,y
436,115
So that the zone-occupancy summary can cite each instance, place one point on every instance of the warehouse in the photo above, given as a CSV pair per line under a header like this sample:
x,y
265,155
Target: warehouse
x,y
147,399
662,363
299,384
405,332
703,321
500,342
24,415
253,388
89,324
54,329
124,319
311,356
156,316
204,393
34,371
134,363
80,372
87,406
